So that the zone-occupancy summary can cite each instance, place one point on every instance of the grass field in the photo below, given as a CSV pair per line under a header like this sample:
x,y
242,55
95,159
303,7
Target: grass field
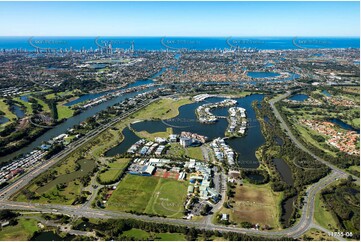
x,y
163,109
64,111
137,234
255,204
114,170
170,237
152,136
195,153
151,195
322,216
23,231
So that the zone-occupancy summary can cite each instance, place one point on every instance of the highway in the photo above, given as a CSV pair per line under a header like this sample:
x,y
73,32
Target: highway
x,y
304,223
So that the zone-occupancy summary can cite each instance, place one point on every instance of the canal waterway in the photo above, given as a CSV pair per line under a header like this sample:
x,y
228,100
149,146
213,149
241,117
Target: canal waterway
x,y
262,74
91,96
245,146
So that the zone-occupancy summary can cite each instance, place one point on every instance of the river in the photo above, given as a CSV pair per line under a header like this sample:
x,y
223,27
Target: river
x,y
69,123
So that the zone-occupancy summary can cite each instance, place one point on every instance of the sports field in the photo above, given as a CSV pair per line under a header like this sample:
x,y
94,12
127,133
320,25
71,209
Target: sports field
x,y
152,195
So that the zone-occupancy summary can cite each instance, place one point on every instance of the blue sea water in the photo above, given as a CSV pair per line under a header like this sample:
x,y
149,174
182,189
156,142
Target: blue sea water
x,y
262,74
176,43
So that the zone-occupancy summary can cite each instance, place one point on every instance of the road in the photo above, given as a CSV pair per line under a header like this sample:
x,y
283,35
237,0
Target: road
x,y
303,225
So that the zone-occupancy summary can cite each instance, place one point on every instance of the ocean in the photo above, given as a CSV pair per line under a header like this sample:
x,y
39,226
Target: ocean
x,y
176,43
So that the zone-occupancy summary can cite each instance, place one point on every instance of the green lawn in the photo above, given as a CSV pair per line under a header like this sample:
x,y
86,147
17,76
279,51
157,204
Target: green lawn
x,y
164,108
24,230
146,135
137,234
112,173
151,195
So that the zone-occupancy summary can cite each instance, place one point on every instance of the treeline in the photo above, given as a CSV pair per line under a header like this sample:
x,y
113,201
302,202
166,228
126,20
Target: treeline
x,y
12,140
308,170
113,230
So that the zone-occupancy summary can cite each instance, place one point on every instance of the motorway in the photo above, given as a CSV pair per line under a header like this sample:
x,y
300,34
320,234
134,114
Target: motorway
x,y
304,223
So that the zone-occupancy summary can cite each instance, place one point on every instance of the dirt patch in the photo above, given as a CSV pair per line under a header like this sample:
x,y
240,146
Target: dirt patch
x,y
246,194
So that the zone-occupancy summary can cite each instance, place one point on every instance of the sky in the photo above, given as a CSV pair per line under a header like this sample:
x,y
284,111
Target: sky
x,y
179,19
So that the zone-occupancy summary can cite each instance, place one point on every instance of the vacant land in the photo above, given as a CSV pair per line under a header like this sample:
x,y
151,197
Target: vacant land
x,y
23,231
150,195
255,204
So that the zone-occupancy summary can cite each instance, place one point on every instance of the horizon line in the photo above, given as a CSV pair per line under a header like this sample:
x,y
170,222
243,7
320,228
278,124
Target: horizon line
x,y
189,36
